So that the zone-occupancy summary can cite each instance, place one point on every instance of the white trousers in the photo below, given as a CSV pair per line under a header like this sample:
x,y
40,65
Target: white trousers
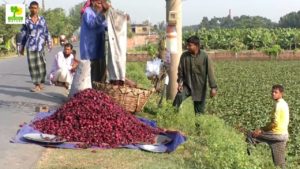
x,y
63,75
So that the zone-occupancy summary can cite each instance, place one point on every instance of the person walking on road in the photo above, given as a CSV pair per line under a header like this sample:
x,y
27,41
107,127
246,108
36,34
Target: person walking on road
x,y
35,35
194,70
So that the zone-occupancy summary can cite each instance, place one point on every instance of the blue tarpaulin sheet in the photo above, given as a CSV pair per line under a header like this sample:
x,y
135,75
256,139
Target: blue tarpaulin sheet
x,y
176,137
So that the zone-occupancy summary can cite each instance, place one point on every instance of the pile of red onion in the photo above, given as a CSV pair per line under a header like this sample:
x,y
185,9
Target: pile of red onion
x,y
92,118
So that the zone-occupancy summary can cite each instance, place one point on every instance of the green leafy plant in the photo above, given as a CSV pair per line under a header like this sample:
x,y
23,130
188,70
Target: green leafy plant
x,y
274,51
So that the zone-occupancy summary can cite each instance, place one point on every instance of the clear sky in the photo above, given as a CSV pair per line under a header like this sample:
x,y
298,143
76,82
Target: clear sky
x,y
193,10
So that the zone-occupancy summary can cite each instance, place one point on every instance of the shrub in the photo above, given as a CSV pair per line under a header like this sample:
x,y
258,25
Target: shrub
x,y
216,145
274,51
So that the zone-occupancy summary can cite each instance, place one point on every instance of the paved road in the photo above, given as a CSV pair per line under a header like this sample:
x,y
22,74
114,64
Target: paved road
x,y
17,105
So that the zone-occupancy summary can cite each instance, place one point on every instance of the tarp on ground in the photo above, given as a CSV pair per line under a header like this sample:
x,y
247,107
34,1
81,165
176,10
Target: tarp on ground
x,y
176,137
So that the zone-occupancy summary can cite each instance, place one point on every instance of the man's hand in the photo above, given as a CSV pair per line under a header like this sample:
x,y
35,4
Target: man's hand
x,y
256,133
213,92
74,66
106,5
22,50
180,87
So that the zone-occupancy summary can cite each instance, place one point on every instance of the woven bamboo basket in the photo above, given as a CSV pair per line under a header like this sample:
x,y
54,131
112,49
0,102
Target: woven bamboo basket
x,y
130,98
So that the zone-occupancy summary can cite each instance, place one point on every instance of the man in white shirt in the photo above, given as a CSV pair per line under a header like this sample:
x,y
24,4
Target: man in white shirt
x,y
63,67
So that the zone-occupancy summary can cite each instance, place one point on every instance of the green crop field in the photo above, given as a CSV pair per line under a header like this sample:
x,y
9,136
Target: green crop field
x,y
244,97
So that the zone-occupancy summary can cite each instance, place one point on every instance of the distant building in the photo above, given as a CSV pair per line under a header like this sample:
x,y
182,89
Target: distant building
x,y
141,29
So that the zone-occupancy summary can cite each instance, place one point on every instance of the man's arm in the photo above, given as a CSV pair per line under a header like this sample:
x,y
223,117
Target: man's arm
x,y
93,21
211,78
269,126
274,120
180,73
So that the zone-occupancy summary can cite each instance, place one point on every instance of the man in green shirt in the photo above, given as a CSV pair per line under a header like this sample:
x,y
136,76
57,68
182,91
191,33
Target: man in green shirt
x,y
194,70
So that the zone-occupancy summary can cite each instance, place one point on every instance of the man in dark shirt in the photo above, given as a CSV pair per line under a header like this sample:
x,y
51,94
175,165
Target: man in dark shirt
x,y
194,70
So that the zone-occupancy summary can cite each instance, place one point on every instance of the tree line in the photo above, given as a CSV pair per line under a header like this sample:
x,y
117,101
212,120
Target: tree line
x,y
59,22
290,20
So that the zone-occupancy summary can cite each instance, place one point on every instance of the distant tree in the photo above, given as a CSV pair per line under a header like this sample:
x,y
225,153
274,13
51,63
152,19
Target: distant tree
x,y
146,22
160,28
7,31
237,22
129,30
204,23
253,22
227,22
290,20
75,17
58,22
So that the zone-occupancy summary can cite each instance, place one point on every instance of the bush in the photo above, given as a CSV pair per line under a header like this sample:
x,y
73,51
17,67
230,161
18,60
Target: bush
x,y
151,49
218,146
211,143
136,72
274,51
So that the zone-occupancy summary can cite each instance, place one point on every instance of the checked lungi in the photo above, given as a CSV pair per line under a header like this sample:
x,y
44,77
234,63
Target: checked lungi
x,y
37,66
277,143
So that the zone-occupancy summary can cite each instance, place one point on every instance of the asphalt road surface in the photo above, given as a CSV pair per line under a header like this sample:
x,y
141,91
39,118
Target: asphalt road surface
x,y
17,105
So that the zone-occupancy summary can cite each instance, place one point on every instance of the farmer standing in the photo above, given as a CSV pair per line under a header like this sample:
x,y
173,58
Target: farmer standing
x,y
34,36
194,70
275,133
92,37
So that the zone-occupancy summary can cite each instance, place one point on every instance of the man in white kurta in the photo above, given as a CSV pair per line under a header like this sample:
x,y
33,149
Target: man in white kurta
x,y
63,67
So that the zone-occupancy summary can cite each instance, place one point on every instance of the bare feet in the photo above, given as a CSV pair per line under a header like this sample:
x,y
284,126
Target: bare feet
x,y
41,86
36,89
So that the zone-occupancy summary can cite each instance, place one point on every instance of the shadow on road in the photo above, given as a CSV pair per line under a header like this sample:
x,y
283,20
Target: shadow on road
x,y
3,87
36,97
15,74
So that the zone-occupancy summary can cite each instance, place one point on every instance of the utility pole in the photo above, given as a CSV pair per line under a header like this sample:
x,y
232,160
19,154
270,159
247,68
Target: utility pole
x,y
174,42
43,5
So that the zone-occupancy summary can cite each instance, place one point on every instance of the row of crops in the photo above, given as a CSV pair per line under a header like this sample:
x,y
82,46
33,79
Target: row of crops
x,y
247,39
244,97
